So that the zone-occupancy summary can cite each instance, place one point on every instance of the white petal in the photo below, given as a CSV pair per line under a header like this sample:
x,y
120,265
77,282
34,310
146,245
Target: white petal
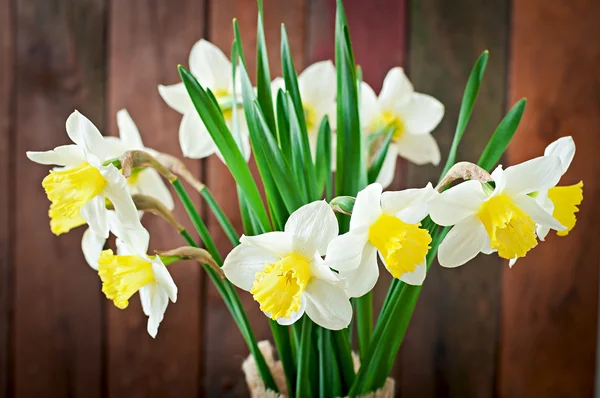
x,y
417,277
150,183
194,139
163,279
422,114
317,84
397,90
419,149
367,207
83,133
158,305
368,104
244,262
409,205
457,203
65,155
210,66
320,270
94,213
313,226
533,175
279,243
361,280
512,261
128,131
92,245
564,148
130,228
388,168
327,305
177,97
464,241
146,298
345,251
295,315
537,213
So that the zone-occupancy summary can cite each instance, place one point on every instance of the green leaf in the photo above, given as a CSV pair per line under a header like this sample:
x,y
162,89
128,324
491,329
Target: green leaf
x,y
504,132
323,158
302,164
283,126
343,353
283,344
379,157
350,165
466,108
263,76
215,124
298,130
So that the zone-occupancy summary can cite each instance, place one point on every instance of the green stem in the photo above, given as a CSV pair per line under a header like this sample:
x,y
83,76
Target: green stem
x,y
364,322
221,217
303,382
283,344
343,353
225,288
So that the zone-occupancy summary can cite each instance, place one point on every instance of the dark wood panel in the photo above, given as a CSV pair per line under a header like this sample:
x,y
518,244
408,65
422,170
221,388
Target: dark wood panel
x,y
147,41
7,71
58,303
451,343
549,306
225,348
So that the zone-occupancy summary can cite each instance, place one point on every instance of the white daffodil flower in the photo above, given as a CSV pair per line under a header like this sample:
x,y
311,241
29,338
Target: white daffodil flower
x,y
561,201
130,271
502,219
213,70
388,224
145,181
317,85
285,273
80,188
413,116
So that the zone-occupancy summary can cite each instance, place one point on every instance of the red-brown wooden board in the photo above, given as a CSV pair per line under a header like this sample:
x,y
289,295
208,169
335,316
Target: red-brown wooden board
x,y
225,348
451,343
58,304
147,40
550,310
7,71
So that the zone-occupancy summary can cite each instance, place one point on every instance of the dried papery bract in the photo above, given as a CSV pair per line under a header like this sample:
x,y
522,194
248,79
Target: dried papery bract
x,y
141,159
464,171
193,253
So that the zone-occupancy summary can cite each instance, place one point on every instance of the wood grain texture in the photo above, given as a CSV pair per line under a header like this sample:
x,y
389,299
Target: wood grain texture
x,y
451,343
550,309
58,309
225,348
7,70
147,40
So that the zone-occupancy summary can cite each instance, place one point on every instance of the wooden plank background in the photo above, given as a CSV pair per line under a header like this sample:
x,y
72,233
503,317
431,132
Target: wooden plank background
x,y
479,331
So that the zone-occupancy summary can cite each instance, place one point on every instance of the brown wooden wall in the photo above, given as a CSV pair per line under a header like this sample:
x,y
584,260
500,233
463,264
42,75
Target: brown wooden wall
x,y
479,331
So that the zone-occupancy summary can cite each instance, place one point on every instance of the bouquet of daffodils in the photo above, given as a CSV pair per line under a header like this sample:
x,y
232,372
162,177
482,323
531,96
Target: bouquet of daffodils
x,y
325,146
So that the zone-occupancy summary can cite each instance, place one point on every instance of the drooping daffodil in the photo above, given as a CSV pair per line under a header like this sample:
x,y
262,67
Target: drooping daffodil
x,y
317,86
561,201
388,224
501,219
142,181
412,117
285,273
80,188
213,70
131,271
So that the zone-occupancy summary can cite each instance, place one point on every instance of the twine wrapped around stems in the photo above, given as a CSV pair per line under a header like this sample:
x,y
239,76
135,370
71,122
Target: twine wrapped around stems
x,y
257,387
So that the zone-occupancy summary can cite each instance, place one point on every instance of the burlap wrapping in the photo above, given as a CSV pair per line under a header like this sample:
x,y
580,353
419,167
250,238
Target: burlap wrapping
x,y
257,387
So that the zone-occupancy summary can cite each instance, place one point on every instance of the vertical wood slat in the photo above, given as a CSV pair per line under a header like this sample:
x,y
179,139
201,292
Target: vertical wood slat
x,y
550,300
147,41
225,348
58,310
7,71
451,343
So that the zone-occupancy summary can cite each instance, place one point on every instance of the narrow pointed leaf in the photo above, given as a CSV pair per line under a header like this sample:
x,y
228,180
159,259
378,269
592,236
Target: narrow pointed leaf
x,y
323,158
379,157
